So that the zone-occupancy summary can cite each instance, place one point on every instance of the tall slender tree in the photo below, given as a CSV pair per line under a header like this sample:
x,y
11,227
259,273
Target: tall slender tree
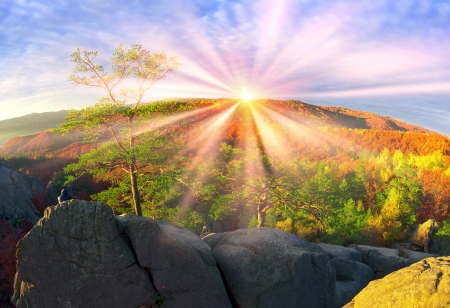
x,y
119,114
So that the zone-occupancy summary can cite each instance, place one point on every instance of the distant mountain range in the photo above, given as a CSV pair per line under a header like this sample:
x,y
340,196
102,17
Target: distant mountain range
x,y
30,124
28,136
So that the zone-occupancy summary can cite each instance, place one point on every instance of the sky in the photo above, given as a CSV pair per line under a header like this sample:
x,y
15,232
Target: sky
x,y
387,57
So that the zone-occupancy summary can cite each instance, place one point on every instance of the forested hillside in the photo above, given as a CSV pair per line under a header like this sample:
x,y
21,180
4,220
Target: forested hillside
x,y
30,124
326,173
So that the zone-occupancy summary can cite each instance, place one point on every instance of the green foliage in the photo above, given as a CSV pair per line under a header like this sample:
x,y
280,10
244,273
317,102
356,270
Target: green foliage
x,y
188,219
347,224
444,228
253,223
126,125
223,206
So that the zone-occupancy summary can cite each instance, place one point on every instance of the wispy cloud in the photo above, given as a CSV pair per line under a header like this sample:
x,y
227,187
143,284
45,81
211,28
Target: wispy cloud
x,y
338,52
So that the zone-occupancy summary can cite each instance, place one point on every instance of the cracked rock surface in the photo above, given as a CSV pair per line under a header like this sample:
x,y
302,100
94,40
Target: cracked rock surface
x,y
16,196
182,267
75,257
425,284
271,268
81,255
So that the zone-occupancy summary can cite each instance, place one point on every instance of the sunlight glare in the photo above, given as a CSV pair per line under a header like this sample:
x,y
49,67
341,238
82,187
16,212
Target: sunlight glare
x,y
246,96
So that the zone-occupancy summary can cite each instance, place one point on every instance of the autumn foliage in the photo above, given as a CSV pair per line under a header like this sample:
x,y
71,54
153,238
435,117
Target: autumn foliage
x,y
9,237
337,174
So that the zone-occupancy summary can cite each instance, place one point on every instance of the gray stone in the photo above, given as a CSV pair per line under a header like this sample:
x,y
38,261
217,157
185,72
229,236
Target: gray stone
x,y
75,257
182,267
351,278
271,268
384,261
336,251
34,183
16,196
213,239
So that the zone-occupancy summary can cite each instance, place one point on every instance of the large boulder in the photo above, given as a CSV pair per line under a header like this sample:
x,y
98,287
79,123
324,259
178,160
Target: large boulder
x,y
75,257
336,251
425,284
423,234
384,261
16,196
271,268
351,274
181,265
351,278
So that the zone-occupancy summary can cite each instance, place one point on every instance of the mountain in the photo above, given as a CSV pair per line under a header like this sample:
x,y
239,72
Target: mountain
x,y
30,124
28,135
340,117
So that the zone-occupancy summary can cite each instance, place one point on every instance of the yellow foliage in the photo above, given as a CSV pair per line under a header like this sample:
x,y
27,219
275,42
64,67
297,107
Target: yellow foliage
x,y
307,232
430,162
285,225
447,172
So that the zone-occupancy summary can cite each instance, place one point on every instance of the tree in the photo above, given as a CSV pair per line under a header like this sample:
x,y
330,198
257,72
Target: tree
x,y
399,203
111,116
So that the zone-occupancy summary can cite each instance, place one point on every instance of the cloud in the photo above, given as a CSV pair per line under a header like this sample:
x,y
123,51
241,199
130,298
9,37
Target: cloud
x,y
326,51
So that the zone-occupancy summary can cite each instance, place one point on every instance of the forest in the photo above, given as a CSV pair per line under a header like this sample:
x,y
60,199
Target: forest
x,y
264,163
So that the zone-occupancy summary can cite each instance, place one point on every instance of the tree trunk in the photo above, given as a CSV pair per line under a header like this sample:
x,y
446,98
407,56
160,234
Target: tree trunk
x,y
261,216
135,191
134,185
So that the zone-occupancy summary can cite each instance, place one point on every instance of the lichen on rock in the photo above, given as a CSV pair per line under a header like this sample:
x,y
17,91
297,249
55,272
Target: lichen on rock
x,y
425,284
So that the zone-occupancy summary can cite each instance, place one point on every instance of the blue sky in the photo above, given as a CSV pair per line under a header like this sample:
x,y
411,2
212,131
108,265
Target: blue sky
x,y
387,57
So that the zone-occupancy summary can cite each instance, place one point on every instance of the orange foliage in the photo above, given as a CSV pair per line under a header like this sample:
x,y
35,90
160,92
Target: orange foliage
x,y
436,190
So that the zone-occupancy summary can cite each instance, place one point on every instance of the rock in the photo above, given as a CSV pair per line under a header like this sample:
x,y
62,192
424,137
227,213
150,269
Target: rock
x,y
75,257
52,192
213,239
423,234
182,267
271,268
336,251
351,278
34,183
384,261
425,284
16,196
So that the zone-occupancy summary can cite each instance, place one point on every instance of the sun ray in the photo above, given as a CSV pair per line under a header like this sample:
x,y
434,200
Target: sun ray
x,y
206,145
169,120
307,133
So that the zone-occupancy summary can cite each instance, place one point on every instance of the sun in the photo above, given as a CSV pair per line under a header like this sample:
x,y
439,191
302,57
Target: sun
x,y
246,96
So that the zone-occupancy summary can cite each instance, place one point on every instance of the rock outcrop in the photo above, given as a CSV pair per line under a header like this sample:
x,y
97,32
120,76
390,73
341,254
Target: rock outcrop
x,y
182,267
16,195
336,251
75,257
351,278
384,261
351,274
425,284
81,255
271,268
423,234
